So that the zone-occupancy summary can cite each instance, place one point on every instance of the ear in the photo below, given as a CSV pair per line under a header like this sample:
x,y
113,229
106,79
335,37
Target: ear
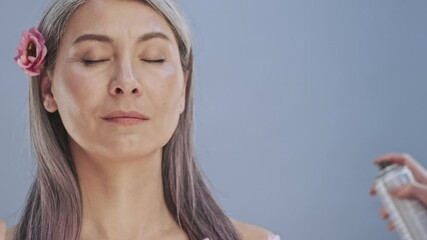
x,y
184,92
46,91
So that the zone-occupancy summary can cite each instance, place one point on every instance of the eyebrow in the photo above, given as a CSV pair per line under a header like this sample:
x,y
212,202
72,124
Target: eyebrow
x,y
93,37
152,35
106,39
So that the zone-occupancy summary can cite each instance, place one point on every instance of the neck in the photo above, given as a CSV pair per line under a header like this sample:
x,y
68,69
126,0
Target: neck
x,y
122,199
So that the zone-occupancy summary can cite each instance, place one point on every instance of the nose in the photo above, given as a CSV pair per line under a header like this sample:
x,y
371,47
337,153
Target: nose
x,y
125,82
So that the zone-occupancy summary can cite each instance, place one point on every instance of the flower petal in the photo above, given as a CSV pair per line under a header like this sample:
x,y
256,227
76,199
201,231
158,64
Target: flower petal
x,y
32,52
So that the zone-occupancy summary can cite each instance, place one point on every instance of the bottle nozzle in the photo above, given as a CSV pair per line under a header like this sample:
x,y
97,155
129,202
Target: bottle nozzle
x,y
384,164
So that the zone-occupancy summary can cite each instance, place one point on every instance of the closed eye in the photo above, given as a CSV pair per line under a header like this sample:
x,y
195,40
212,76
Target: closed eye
x,y
89,62
154,60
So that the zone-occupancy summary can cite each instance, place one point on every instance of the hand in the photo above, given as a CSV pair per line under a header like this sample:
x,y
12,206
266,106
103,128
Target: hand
x,y
2,230
416,190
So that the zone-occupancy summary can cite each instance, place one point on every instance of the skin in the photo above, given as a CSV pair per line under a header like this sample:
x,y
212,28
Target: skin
x,y
416,190
119,164
2,230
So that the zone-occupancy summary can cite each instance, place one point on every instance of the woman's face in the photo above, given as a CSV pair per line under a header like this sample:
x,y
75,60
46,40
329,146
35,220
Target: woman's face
x,y
118,83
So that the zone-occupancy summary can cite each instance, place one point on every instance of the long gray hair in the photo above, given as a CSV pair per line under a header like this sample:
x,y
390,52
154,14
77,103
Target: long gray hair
x,y
53,209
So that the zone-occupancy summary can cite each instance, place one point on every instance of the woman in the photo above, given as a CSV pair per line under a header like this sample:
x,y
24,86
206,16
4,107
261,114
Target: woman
x,y
111,126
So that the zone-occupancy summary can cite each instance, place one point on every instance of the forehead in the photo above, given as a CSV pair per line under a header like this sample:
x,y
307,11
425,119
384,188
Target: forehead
x,y
117,19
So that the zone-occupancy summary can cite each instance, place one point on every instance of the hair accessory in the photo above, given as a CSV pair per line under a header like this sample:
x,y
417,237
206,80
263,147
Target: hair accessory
x,y
31,52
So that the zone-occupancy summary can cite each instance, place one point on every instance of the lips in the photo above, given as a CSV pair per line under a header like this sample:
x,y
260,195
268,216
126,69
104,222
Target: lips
x,y
125,118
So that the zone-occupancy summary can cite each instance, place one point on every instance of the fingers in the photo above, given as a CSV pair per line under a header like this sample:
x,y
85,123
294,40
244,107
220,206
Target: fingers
x,y
385,216
372,192
2,230
398,158
383,213
412,190
404,159
391,227
416,190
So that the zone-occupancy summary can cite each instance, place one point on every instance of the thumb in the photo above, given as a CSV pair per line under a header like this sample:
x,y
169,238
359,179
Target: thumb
x,y
2,230
411,190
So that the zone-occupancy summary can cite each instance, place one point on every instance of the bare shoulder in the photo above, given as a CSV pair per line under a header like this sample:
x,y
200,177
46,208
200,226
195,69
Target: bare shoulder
x,y
251,232
6,233
10,232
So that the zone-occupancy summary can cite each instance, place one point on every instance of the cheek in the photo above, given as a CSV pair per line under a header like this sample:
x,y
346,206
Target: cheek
x,y
169,89
74,94
164,91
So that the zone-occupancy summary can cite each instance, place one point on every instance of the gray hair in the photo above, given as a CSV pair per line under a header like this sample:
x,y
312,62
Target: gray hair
x,y
53,209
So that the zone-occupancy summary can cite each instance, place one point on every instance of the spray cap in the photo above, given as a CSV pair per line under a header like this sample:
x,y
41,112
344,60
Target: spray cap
x,y
384,164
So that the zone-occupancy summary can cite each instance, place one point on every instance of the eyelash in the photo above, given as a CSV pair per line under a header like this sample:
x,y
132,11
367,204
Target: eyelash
x,y
158,61
88,62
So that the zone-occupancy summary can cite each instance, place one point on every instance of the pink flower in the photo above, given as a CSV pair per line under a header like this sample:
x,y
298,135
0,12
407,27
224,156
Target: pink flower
x,y
31,52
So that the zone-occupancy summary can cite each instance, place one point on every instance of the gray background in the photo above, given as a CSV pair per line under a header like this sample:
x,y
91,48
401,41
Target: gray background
x,y
294,101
